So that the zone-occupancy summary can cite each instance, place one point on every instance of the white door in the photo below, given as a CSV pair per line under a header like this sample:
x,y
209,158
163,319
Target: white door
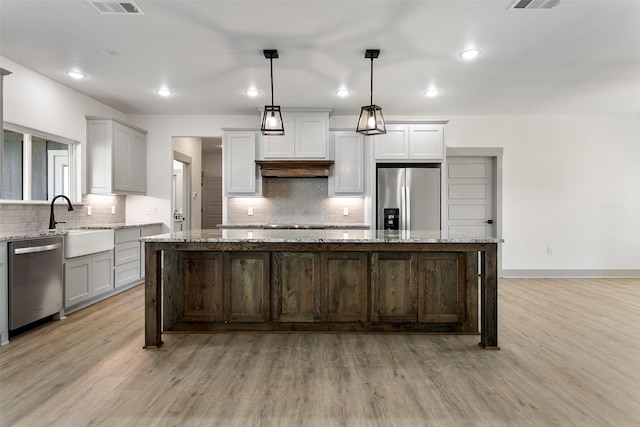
x,y
470,196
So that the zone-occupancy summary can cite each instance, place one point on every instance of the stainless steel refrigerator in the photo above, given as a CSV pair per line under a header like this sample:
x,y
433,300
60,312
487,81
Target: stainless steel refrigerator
x,y
408,197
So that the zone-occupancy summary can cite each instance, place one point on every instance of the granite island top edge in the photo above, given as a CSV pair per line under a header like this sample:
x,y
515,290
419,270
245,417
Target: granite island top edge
x,y
315,236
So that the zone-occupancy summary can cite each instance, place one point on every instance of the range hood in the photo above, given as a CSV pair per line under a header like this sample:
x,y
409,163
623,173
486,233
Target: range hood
x,y
294,168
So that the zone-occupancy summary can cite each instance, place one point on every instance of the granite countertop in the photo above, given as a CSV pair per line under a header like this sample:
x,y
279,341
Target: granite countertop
x,y
118,225
317,236
18,235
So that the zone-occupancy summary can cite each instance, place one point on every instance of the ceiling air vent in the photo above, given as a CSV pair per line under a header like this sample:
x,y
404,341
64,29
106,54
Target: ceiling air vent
x,y
115,8
534,4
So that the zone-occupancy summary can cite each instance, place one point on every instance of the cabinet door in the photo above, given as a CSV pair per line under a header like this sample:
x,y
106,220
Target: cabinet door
x,y
426,142
202,287
311,136
281,146
394,145
441,288
77,280
296,282
121,167
99,156
246,287
394,287
102,273
344,278
137,163
240,162
348,168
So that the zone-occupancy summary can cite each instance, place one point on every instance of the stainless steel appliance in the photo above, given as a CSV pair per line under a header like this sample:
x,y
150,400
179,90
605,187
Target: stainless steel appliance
x,y
408,197
35,280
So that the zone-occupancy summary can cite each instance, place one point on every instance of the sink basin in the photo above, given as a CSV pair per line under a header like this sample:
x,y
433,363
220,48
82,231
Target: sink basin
x,y
85,242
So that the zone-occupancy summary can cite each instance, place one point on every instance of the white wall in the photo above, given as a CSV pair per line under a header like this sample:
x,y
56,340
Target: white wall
x,y
162,128
570,182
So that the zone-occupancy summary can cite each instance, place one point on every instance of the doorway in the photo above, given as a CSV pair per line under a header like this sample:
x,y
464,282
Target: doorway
x,y
180,191
473,195
211,182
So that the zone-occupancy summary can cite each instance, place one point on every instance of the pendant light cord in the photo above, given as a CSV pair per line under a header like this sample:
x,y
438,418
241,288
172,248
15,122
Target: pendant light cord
x,y
271,61
371,81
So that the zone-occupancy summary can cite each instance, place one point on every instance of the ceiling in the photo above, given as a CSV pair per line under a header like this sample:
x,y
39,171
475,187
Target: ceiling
x,y
581,57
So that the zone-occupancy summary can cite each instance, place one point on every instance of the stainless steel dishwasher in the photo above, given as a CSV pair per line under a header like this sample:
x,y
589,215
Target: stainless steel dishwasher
x,y
35,280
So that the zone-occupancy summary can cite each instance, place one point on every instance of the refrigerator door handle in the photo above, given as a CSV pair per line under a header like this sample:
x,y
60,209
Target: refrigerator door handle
x,y
408,190
403,208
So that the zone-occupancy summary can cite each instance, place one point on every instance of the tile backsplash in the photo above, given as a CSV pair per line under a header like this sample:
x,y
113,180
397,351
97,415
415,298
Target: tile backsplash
x,y
33,217
295,200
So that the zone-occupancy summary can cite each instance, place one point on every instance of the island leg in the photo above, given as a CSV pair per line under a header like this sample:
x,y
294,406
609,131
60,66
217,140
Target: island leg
x,y
152,297
489,298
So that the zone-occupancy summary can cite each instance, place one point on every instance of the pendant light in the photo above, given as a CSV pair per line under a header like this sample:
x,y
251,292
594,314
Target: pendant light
x,y
371,121
272,117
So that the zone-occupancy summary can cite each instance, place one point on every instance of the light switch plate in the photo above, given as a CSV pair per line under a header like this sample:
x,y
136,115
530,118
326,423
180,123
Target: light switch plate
x,y
345,211
89,210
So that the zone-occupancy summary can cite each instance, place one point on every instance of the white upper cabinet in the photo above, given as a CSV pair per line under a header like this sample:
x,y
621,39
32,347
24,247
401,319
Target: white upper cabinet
x,y
240,170
306,136
116,157
348,168
411,142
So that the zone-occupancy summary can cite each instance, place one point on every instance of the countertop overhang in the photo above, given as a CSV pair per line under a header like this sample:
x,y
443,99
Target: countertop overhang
x,y
316,236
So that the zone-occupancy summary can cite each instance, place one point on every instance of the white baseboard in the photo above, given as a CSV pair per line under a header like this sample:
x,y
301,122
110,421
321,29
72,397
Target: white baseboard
x,y
619,273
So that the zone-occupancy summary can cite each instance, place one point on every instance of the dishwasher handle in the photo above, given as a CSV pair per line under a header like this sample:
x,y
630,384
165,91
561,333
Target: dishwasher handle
x,y
34,249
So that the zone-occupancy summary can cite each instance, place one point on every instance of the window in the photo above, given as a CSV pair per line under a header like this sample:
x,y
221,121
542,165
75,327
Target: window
x,y
36,166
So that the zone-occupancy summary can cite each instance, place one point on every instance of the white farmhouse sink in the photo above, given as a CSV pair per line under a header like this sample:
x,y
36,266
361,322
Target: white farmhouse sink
x,y
84,242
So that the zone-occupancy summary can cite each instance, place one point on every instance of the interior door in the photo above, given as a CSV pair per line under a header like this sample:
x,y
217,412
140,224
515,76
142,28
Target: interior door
x,y
470,196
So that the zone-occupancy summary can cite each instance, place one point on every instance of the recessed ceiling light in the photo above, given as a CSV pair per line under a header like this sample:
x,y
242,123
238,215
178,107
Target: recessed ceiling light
x,y
252,92
343,92
469,53
164,92
76,75
432,92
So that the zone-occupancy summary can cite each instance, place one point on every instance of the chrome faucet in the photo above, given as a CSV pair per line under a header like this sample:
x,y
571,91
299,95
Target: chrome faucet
x,y
52,218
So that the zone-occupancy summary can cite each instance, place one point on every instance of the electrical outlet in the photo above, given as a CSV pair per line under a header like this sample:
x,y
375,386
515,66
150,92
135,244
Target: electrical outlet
x,y
113,210
345,211
151,211
249,211
89,210
549,250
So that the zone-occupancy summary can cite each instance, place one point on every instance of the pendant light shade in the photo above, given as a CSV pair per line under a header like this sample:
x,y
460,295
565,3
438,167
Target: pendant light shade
x,y
272,117
371,121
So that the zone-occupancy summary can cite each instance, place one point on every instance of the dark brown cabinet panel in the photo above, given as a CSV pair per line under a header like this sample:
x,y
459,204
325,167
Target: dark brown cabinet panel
x,y
246,286
441,288
203,290
394,283
296,282
344,278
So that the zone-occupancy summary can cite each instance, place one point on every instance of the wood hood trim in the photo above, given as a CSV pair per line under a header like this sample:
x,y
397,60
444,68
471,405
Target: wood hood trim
x,y
294,168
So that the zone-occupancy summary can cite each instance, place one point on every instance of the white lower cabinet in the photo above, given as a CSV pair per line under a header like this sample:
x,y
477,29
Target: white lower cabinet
x,y
127,257
87,277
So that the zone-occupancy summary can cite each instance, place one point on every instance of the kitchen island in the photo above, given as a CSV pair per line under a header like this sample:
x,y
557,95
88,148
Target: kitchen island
x,y
320,281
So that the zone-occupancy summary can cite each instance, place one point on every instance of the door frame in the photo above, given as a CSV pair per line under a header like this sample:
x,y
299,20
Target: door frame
x,y
186,160
495,154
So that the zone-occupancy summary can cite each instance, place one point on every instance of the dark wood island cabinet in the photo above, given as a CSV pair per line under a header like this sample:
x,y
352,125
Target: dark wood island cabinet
x,y
320,280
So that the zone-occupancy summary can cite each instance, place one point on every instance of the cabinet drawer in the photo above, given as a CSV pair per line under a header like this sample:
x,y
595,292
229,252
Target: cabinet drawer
x,y
126,274
127,252
127,235
3,253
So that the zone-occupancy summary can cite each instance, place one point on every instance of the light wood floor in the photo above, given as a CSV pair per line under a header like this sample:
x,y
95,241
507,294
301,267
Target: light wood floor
x,y
570,357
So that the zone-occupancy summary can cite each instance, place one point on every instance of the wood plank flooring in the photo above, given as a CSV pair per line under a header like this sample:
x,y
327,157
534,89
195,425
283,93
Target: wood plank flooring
x,y
570,356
